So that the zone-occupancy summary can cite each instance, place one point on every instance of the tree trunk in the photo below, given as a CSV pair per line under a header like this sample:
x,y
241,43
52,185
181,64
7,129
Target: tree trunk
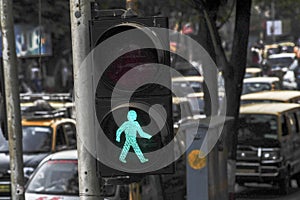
x,y
233,77
233,72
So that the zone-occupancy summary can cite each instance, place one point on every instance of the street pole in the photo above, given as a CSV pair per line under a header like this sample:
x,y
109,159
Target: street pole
x,y
80,11
273,20
11,85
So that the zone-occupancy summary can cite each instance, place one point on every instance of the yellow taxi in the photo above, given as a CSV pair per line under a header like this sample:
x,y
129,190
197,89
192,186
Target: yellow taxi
x,y
42,134
61,132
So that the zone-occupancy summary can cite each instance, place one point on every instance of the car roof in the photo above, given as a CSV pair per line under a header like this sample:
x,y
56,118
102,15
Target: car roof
x,y
253,69
61,155
196,94
267,108
178,100
54,104
286,43
45,122
261,79
279,95
282,55
187,78
68,154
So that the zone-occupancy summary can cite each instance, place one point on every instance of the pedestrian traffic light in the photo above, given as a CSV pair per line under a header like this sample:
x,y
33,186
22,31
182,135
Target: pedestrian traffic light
x,y
133,108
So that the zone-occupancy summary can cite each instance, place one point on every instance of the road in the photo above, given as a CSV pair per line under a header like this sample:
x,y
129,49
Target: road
x,y
266,193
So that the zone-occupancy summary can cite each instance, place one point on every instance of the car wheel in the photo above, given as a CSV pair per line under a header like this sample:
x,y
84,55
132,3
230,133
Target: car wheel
x,y
285,184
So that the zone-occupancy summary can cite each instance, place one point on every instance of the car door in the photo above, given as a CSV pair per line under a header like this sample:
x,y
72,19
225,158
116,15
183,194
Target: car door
x,y
286,141
295,129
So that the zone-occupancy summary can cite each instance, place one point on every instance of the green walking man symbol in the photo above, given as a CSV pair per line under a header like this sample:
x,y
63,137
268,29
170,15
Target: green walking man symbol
x,y
131,127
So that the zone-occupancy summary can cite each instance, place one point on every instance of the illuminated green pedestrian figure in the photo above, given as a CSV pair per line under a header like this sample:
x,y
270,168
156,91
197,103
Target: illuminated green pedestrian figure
x,y
131,127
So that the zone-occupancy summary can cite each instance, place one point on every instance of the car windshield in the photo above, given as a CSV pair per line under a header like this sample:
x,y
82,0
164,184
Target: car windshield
x,y
255,87
257,127
260,101
186,87
284,62
3,143
55,177
35,139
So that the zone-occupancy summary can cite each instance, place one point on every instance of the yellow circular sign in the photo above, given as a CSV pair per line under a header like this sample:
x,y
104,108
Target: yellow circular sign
x,y
196,159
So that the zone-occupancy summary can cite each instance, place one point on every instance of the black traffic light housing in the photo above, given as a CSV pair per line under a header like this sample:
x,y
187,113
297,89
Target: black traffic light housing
x,y
141,99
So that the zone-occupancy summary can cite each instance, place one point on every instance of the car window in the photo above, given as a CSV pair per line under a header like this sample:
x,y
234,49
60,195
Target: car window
x,y
186,87
284,125
180,114
293,123
276,85
36,139
282,61
255,87
3,143
60,138
257,127
56,177
70,131
296,118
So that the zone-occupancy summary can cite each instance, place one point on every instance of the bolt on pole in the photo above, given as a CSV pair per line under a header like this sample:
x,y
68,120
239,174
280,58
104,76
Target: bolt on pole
x,y
89,185
11,85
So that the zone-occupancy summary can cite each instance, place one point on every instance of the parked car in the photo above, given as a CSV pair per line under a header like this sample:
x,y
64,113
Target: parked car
x,y
43,133
284,96
57,178
257,84
269,144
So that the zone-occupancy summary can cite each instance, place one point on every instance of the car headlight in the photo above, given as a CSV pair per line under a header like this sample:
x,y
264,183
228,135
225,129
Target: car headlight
x,y
272,155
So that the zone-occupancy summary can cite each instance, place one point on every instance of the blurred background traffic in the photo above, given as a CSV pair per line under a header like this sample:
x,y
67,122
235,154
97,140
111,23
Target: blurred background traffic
x,y
45,72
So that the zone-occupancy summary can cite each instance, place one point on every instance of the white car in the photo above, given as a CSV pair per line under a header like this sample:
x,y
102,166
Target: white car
x,y
56,178
282,64
283,60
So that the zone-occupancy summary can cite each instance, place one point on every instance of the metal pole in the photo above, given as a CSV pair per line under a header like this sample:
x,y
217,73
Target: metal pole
x,y
210,74
273,20
80,11
11,84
